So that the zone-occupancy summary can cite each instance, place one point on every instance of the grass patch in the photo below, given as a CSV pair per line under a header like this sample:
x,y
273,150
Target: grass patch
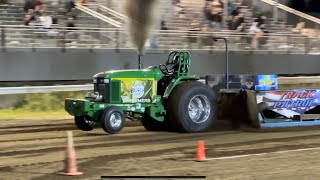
x,y
23,114
39,106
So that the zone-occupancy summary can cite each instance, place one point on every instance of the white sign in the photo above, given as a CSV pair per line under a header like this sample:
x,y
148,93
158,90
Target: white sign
x,y
138,90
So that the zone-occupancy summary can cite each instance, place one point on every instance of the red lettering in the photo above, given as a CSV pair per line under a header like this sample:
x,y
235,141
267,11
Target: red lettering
x,y
289,95
310,94
296,95
303,95
283,95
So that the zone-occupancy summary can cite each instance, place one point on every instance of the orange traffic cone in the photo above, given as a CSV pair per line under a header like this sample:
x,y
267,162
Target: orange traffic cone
x,y
201,155
70,164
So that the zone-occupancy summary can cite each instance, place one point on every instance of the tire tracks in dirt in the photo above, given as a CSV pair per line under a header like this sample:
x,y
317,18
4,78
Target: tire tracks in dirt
x,y
143,143
56,128
124,141
48,127
147,142
32,126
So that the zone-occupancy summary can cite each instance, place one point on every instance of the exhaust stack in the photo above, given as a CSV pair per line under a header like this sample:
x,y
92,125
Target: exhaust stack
x,y
140,61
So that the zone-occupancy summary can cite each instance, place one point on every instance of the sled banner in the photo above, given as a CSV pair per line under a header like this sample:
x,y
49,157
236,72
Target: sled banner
x,y
290,102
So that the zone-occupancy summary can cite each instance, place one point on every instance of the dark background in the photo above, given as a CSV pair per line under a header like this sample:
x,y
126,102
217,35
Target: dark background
x,y
305,5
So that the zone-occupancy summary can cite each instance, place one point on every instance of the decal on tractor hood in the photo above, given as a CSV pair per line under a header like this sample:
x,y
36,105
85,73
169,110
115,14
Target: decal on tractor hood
x,y
138,90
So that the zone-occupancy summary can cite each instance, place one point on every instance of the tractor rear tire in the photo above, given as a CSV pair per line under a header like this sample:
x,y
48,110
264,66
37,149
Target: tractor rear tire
x,y
151,124
84,123
192,107
113,120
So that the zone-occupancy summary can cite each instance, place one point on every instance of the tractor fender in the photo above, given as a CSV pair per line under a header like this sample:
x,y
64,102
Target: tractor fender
x,y
176,81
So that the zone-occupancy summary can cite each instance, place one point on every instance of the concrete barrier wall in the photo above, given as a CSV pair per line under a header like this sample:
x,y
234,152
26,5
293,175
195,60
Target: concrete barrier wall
x,y
82,65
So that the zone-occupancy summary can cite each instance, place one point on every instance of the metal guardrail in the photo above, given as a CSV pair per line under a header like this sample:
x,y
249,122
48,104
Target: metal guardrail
x,y
89,87
44,89
117,14
98,15
116,39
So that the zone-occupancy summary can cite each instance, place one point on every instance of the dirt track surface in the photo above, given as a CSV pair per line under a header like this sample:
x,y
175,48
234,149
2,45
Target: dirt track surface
x,y
35,149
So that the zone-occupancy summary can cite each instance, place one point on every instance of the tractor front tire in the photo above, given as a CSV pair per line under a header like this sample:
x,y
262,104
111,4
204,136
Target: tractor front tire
x,y
151,124
192,107
112,120
84,123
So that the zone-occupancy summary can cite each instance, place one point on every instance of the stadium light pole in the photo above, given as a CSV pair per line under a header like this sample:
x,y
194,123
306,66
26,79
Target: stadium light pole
x,y
227,58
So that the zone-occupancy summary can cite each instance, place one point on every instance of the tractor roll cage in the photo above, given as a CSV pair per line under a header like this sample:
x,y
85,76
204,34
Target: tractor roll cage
x,y
179,62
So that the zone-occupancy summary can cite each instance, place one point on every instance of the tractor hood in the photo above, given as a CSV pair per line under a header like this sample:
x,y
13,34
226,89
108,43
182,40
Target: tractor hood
x,y
151,72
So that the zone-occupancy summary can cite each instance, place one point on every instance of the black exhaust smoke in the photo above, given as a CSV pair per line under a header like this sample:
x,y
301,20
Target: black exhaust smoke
x,y
141,15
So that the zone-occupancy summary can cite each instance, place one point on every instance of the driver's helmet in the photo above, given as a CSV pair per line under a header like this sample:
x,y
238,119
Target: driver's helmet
x,y
175,59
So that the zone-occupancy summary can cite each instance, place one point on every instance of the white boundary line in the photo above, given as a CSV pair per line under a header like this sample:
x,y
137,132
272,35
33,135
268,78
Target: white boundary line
x,y
260,154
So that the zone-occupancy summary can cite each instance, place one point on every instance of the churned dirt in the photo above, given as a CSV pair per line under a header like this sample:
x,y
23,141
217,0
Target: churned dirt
x,y
35,149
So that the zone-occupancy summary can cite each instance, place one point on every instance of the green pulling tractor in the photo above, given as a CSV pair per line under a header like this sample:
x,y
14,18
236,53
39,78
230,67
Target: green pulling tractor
x,y
167,97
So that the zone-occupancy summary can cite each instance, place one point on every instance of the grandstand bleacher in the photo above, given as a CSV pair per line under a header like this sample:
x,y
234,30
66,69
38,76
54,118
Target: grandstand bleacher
x,y
93,32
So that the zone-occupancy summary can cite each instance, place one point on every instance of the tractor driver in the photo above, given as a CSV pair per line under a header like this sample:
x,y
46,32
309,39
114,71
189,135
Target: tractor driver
x,y
175,67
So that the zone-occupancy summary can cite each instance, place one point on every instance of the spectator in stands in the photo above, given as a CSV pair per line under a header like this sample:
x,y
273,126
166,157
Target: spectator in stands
x,y
70,25
55,18
255,33
29,4
35,5
234,22
69,4
218,5
241,28
231,7
236,11
163,26
45,20
175,2
29,17
71,34
4,2
216,20
213,12
299,27
83,2
263,40
207,10
253,27
38,7
260,19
